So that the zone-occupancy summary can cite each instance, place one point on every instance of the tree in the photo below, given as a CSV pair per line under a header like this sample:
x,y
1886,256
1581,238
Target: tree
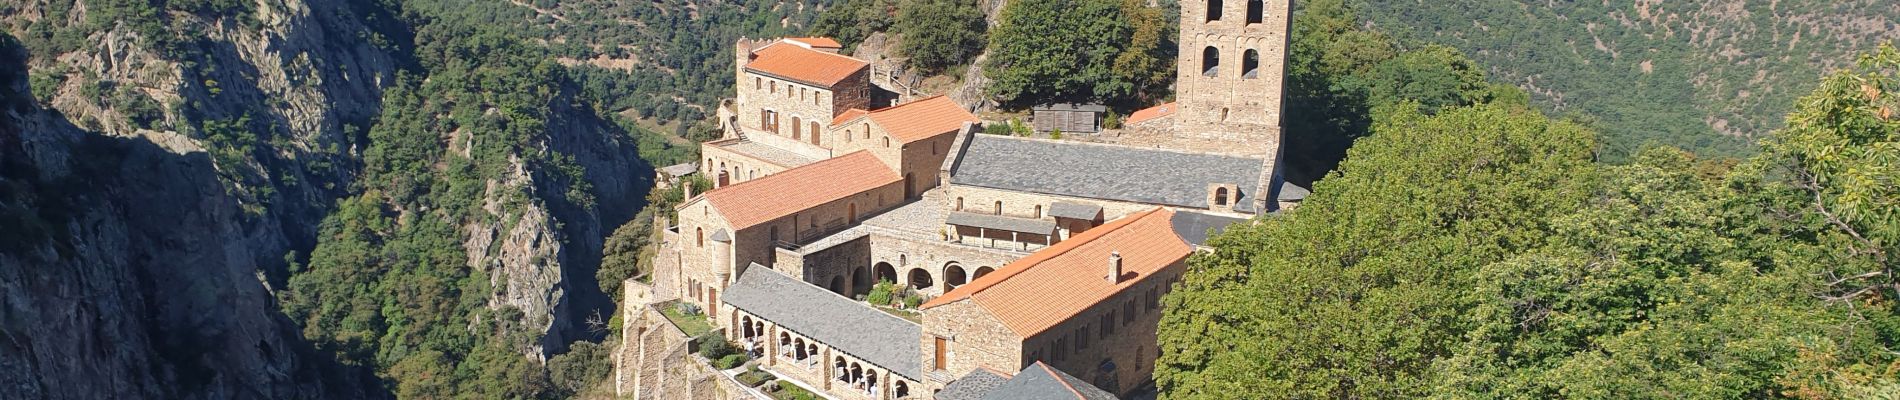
x,y
1358,292
940,33
1068,50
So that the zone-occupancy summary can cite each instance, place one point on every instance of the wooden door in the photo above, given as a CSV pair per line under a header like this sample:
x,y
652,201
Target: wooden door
x,y
942,346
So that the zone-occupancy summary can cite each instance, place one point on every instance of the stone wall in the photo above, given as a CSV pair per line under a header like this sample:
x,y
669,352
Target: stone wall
x,y
804,111
738,166
655,362
907,255
1131,348
973,338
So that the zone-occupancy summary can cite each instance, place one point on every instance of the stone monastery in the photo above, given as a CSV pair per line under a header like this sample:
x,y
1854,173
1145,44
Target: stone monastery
x,y
1041,262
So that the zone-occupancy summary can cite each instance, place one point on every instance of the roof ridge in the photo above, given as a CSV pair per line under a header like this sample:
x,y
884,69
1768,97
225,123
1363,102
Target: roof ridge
x,y
1126,147
1037,258
1058,376
782,41
802,281
722,189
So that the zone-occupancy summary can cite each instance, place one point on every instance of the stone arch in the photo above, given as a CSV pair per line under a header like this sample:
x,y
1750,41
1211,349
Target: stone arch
x,y
954,276
701,234
1210,61
959,204
920,279
900,390
870,381
1250,64
857,372
886,273
745,327
798,350
837,284
860,280
981,271
1255,11
1213,10
843,369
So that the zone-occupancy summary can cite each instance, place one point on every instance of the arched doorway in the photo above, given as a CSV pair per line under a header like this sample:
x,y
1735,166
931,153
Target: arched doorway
x,y
953,276
920,279
886,273
837,285
860,280
910,189
981,271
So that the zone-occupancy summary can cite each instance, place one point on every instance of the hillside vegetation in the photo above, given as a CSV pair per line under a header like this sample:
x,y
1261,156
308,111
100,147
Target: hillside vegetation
x,y
1705,75
1481,253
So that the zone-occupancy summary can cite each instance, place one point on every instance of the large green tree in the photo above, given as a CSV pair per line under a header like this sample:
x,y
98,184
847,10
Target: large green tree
x,y
939,34
1479,253
1046,51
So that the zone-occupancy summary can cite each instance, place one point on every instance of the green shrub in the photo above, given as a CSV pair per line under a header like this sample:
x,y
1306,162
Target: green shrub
x,y
880,293
729,361
913,301
999,128
1055,134
1111,120
713,347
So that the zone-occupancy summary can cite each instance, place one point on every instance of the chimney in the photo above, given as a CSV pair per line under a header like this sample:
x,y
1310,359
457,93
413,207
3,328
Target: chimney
x,y
686,184
1114,267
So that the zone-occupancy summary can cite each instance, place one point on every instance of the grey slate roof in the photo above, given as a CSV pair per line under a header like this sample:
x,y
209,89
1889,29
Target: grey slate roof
x,y
721,236
1194,227
1292,192
987,221
1063,209
846,325
1041,382
1070,107
972,386
677,170
1116,173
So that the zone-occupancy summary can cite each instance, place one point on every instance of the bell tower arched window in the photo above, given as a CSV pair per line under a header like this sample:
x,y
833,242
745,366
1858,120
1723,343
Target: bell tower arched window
x,y
1213,10
1210,62
1220,196
1250,64
1255,14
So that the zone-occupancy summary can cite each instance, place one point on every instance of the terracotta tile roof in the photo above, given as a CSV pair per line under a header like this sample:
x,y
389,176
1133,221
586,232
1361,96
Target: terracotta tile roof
x,y
794,62
1054,284
1150,113
761,200
818,42
848,115
917,120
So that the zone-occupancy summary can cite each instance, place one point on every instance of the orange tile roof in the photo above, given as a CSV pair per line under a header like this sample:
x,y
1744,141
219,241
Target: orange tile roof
x,y
774,196
794,62
818,42
1149,113
848,115
916,120
1054,284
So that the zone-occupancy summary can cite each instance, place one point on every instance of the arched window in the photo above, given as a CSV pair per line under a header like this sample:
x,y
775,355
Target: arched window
x,y
848,134
1038,211
1210,62
756,85
797,127
1220,196
959,204
887,141
814,132
1250,64
1213,10
701,233
999,207
1254,12
867,130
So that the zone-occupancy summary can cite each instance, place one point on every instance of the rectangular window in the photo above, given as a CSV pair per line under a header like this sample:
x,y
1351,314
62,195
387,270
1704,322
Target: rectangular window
x,y
1154,298
756,84
1128,312
1082,339
1108,324
942,352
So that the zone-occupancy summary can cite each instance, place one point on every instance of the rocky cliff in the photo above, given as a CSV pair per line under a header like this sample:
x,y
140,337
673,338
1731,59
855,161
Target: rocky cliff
x,y
164,163
133,266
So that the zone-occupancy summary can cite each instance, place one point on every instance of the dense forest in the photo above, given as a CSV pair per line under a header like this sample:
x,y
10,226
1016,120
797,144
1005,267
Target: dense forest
x,y
1481,251
1703,75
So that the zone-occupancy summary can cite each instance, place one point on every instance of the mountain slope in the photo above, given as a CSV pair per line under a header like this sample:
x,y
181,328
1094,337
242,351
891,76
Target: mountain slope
x,y
1706,75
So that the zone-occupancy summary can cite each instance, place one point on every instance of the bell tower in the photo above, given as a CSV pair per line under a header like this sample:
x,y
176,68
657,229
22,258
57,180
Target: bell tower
x,y
1230,81
1230,74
